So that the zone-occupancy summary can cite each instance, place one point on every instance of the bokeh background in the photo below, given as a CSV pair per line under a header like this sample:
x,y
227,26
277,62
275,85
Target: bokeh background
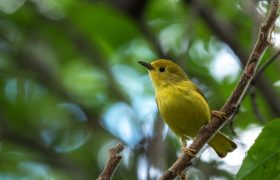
x,y
71,87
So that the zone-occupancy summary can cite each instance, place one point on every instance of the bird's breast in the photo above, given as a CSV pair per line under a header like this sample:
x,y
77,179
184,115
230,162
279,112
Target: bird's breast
x,y
183,109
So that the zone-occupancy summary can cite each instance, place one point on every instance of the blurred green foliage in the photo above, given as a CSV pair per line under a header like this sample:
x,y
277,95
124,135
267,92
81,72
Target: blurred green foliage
x,y
71,87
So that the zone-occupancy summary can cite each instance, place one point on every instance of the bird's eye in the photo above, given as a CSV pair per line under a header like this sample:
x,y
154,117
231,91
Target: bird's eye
x,y
161,69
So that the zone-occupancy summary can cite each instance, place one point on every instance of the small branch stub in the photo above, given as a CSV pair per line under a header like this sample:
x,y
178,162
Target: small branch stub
x,y
113,161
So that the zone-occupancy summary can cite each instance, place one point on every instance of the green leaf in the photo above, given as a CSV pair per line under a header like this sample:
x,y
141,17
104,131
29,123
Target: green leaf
x,y
263,159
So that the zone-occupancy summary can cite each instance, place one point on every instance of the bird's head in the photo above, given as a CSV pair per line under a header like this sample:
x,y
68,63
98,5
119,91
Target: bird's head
x,y
164,72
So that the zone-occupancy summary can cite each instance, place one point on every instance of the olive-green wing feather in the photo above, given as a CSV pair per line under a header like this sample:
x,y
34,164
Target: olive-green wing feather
x,y
200,92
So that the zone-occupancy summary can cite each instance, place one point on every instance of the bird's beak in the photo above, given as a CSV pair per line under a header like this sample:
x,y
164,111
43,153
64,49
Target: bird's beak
x,y
146,65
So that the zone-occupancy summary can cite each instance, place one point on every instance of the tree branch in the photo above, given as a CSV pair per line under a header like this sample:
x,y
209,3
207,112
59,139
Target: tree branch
x,y
113,160
252,90
221,29
206,132
254,105
265,65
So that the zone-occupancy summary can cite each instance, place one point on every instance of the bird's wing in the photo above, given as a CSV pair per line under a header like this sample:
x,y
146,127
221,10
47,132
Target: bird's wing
x,y
200,92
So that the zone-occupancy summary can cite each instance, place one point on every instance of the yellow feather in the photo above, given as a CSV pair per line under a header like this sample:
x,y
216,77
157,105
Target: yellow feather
x,y
182,105
183,109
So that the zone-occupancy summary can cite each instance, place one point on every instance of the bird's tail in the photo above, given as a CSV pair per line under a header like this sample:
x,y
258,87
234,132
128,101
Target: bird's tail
x,y
221,144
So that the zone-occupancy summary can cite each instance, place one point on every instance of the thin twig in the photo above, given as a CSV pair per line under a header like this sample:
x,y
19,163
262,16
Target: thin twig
x,y
113,161
206,132
256,110
265,65
253,83
231,126
259,72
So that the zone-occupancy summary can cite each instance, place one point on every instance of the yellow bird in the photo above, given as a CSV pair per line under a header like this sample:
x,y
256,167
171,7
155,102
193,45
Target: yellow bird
x,y
182,105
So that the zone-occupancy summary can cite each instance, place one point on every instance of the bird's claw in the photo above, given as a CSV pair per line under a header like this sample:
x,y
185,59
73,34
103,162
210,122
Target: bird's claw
x,y
189,151
219,114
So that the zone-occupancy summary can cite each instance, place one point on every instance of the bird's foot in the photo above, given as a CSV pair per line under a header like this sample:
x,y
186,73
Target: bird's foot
x,y
219,114
189,151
